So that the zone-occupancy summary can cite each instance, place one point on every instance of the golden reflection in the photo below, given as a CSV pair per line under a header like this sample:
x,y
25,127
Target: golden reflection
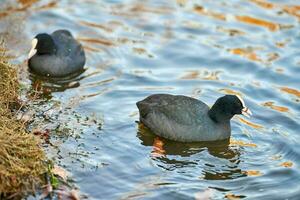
x,y
293,10
231,32
28,2
231,196
248,53
272,57
47,6
234,142
283,43
258,22
274,107
141,51
264,4
91,49
138,8
202,11
192,24
95,25
204,75
279,70
287,164
248,123
252,173
96,41
127,40
230,91
290,91
146,8
98,83
158,148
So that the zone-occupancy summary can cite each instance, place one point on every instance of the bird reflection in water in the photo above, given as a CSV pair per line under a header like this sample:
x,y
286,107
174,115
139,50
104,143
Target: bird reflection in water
x,y
47,85
217,160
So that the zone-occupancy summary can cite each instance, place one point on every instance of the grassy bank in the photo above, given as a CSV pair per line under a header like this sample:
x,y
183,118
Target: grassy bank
x,y
21,158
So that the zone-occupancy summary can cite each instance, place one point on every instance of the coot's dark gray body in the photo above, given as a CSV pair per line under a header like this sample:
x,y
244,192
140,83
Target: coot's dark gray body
x,y
68,57
181,118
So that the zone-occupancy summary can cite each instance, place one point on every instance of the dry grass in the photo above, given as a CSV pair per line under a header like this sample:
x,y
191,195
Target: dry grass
x,y
21,158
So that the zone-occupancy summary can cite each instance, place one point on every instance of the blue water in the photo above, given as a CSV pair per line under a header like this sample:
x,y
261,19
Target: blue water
x,y
202,49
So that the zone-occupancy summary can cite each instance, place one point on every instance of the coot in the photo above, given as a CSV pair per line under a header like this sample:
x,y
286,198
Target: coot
x,y
186,119
56,55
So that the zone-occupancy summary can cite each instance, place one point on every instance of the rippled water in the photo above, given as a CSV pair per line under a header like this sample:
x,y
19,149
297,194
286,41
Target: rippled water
x,y
199,48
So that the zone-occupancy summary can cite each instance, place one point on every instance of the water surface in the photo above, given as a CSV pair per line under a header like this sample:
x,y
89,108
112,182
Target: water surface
x,y
203,49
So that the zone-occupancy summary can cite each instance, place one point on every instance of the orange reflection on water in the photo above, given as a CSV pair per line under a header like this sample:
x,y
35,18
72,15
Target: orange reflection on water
x,y
252,173
274,107
141,51
258,22
95,25
241,143
246,52
289,9
231,196
229,91
287,164
290,91
91,49
158,148
293,10
142,8
253,125
204,75
264,4
27,2
96,41
201,10
231,32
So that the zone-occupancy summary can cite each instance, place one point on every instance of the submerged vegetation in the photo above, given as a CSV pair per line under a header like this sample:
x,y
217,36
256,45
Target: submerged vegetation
x,y
22,160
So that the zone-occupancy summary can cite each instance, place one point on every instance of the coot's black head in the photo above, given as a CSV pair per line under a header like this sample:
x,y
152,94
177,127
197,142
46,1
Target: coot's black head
x,y
42,44
226,107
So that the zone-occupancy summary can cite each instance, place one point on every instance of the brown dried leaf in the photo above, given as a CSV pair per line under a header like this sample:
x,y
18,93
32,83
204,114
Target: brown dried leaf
x,y
61,172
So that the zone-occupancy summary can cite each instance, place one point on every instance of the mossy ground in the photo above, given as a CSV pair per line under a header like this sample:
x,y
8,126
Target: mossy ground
x,y
22,160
